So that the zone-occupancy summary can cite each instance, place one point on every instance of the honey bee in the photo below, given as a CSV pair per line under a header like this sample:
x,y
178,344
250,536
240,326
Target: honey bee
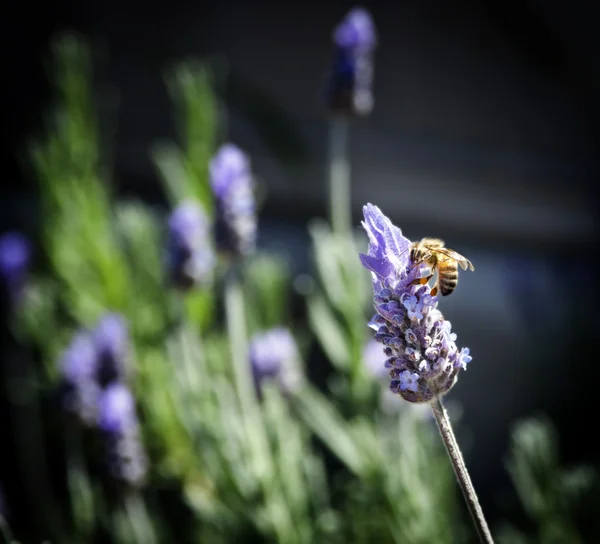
x,y
432,252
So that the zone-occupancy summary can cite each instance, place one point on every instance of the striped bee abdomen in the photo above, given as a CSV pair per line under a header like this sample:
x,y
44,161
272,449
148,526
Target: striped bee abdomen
x,y
447,276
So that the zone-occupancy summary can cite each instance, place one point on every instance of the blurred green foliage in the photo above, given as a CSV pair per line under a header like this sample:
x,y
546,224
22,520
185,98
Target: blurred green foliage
x,y
308,466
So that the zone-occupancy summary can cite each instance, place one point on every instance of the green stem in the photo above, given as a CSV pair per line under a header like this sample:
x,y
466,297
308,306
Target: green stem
x,y
256,433
138,517
460,469
339,176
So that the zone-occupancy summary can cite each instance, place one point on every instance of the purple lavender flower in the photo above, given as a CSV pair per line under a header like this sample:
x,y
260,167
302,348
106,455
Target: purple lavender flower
x,y
80,390
118,423
15,257
422,355
274,356
232,184
111,342
355,39
375,359
190,259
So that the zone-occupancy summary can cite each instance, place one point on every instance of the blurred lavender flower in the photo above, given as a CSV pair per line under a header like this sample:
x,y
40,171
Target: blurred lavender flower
x,y
15,257
190,258
232,184
375,358
111,342
118,422
80,390
349,91
422,355
274,356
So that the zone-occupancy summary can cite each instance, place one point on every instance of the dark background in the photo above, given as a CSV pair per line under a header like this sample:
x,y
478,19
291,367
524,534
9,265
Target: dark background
x,y
485,132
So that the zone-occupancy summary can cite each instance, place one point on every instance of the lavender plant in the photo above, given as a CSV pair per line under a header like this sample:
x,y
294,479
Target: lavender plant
x,y
220,418
424,361
550,494
349,95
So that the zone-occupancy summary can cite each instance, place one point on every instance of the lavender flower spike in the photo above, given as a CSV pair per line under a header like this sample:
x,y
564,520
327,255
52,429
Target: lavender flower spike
x,y
232,184
423,359
190,259
352,72
274,356
118,422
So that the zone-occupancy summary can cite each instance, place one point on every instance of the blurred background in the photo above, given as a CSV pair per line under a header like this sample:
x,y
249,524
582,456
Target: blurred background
x,y
485,132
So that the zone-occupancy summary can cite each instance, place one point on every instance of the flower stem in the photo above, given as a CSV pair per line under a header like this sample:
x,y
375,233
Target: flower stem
x,y
339,176
460,469
139,519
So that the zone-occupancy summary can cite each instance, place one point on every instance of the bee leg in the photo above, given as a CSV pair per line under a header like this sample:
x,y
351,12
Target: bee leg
x,y
422,281
434,291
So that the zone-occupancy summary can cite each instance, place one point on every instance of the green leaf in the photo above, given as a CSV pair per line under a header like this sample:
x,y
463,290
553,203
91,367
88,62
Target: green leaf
x,y
328,330
169,161
326,422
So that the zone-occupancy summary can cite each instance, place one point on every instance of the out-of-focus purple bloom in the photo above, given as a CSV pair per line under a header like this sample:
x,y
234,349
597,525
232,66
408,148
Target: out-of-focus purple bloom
x,y
190,258
79,365
375,359
422,355
274,356
111,342
350,91
15,257
232,183
118,422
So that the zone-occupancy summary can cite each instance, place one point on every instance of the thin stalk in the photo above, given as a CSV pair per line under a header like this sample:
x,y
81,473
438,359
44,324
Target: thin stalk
x,y
262,457
139,519
339,176
460,469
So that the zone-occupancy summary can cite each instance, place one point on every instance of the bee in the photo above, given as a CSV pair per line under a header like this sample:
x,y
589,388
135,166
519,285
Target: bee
x,y
432,252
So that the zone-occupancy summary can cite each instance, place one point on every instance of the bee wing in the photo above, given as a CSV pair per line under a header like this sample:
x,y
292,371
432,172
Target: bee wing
x,y
462,261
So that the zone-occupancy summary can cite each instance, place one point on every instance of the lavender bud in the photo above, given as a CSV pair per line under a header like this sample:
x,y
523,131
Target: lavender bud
x,y
415,378
111,341
118,423
15,257
80,391
232,185
190,259
274,356
351,77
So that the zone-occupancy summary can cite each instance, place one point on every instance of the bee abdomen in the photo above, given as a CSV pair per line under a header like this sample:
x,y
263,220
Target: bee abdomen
x,y
448,285
448,278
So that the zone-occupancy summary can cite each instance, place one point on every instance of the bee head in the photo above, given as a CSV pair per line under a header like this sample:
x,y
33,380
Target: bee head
x,y
413,254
